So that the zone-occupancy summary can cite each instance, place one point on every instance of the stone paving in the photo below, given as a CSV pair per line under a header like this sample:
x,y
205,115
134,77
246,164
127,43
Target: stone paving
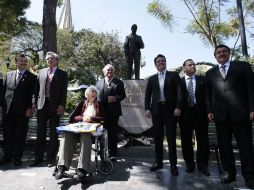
x,y
131,172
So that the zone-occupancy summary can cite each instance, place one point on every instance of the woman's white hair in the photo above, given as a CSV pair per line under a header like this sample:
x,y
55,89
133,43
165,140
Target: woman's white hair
x,y
106,68
90,89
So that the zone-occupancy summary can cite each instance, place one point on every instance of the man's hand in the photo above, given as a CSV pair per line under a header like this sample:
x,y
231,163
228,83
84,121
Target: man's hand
x,y
111,99
148,113
177,112
210,117
251,116
60,110
29,112
34,107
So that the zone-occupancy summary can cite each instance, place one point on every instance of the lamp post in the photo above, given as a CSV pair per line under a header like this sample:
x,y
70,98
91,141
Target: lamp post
x,y
7,62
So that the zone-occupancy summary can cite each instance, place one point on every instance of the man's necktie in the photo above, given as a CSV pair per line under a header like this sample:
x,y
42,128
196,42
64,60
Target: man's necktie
x,y
19,77
223,71
47,87
190,93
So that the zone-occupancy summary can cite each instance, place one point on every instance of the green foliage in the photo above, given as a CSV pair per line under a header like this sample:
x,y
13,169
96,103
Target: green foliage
x,y
161,12
85,53
73,98
206,20
12,17
29,42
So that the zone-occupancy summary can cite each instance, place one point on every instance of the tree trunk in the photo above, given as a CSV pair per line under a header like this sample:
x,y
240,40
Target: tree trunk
x,y
49,26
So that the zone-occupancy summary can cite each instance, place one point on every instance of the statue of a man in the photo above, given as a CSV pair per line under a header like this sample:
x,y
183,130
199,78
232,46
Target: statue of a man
x,y
132,45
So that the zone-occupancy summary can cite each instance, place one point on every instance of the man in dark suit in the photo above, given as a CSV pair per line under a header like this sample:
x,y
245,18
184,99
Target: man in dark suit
x,y
49,98
194,118
132,45
110,93
230,104
163,98
17,108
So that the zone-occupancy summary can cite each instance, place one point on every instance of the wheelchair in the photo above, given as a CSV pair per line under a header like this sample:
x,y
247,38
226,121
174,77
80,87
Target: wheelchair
x,y
103,165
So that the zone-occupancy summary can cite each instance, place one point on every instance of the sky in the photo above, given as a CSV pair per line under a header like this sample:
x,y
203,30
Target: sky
x,y
119,15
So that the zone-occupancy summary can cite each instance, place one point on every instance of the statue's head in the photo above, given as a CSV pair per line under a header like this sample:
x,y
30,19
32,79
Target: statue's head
x,y
134,28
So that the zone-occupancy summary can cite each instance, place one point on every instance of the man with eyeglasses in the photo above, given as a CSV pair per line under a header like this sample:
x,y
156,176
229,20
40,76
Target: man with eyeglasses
x,y
194,118
49,99
230,104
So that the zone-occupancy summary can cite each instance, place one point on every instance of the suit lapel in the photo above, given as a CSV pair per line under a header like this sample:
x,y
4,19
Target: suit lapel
x,y
22,79
231,66
13,78
197,85
55,76
218,73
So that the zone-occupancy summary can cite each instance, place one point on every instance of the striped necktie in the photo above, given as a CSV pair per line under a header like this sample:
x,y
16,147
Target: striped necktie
x,y
190,93
223,71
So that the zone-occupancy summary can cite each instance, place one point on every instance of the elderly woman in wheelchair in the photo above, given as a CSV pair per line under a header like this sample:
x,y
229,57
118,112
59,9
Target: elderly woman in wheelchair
x,y
88,111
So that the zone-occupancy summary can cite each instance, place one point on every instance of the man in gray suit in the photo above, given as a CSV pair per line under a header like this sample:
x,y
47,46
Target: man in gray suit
x,y
110,94
132,45
17,108
49,98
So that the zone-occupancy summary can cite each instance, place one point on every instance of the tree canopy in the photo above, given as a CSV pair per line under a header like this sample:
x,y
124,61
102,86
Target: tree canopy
x,y
12,17
206,20
85,53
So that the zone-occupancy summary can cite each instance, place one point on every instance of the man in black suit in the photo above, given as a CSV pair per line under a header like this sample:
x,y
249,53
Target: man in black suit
x,y
230,104
110,93
163,98
194,118
17,108
49,99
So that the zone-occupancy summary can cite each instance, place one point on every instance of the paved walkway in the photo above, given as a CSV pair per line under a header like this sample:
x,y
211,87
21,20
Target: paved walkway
x,y
131,172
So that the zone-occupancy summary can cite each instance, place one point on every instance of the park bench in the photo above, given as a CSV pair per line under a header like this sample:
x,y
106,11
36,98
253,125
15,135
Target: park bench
x,y
32,128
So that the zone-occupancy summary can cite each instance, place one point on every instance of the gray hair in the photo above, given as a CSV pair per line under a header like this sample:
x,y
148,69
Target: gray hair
x,y
52,54
106,68
90,89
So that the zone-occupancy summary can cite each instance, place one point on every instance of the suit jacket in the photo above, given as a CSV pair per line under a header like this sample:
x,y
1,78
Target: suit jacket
x,y
133,43
117,90
172,93
58,89
232,96
19,96
199,95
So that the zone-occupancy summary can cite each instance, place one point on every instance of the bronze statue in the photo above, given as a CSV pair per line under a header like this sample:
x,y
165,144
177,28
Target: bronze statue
x,y
132,45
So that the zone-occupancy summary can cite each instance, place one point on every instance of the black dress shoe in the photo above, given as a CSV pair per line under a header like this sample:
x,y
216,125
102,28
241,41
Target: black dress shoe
x,y
227,177
113,159
60,172
190,169
174,170
36,162
5,160
17,163
204,170
249,182
156,166
81,174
